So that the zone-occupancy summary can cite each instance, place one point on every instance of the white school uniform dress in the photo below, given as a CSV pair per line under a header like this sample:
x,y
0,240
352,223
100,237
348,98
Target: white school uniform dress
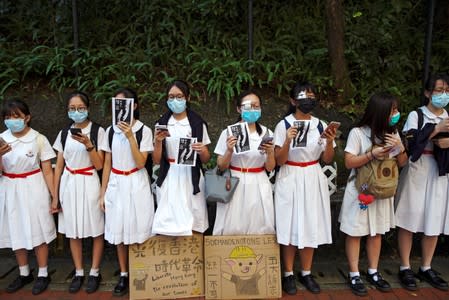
x,y
129,206
25,218
422,195
251,209
302,201
79,194
179,211
378,218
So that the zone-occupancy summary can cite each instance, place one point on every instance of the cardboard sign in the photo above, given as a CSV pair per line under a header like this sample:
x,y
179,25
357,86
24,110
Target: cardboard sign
x,y
166,267
242,267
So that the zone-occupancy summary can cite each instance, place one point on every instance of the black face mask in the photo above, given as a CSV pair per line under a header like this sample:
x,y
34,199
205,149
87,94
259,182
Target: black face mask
x,y
306,105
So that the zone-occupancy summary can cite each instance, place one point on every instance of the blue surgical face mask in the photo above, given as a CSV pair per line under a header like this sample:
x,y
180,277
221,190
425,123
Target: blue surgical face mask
x,y
251,116
15,125
440,100
78,117
394,119
177,105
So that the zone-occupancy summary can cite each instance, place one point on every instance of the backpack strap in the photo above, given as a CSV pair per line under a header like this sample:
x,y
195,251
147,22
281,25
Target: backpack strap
x,y
287,124
94,134
64,133
110,136
420,118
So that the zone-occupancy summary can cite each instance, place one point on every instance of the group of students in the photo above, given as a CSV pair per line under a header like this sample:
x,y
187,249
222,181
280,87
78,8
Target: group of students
x,y
120,207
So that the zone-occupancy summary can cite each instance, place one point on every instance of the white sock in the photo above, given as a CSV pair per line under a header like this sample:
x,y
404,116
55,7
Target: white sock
x,y
353,274
425,268
123,274
286,274
372,271
305,273
24,270
79,272
402,268
94,272
42,272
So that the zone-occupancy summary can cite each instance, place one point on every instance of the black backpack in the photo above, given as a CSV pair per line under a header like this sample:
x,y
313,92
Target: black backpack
x,y
149,162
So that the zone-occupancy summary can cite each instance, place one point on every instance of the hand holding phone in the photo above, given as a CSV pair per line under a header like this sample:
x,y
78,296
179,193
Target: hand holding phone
x,y
332,125
2,142
265,140
75,131
161,127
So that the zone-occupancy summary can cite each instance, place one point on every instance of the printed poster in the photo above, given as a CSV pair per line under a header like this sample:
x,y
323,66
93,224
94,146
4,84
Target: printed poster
x,y
300,139
122,110
241,132
186,155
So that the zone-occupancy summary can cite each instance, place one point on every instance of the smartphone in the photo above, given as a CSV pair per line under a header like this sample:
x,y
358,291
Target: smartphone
x,y
2,142
161,127
75,131
332,124
265,139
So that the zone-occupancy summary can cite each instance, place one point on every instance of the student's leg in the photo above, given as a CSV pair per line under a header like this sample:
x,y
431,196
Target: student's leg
x,y
25,276
373,246
41,252
43,279
352,246
428,245
76,247
306,257
288,278
21,257
122,254
405,241
97,251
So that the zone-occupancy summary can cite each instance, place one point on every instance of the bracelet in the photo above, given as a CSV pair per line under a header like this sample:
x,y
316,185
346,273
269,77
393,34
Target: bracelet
x,y
372,154
90,149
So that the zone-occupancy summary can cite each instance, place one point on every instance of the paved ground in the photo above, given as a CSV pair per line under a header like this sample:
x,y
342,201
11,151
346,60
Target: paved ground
x,y
328,272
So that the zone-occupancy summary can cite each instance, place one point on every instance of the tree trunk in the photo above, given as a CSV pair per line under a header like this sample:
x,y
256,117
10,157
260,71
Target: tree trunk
x,y
335,42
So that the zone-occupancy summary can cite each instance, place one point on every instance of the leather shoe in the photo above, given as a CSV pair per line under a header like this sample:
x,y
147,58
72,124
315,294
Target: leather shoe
x,y
75,285
93,282
407,280
40,285
19,283
357,286
309,283
377,280
122,286
289,285
433,279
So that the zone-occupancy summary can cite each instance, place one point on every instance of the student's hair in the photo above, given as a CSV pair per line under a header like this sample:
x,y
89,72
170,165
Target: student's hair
x,y
238,103
431,83
83,96
180,84
377,115
130,93
300,86
15,106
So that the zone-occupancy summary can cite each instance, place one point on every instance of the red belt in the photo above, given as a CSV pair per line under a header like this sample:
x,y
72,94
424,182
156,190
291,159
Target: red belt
x,y
83,171
247,170
301,164
126,173
171,160
427,152
21,175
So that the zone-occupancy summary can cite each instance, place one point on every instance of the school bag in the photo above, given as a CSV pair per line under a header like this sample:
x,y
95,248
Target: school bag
x,y
149,162
378,177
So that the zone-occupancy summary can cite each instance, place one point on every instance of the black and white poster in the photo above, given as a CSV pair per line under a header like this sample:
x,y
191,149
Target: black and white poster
x,y
122,110
300,139
186,155
241,132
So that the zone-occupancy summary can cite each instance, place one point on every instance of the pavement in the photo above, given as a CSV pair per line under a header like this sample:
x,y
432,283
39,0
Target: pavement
x,y
330,272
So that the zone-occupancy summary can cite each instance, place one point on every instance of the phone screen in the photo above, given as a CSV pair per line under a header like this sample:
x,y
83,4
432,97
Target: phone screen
x,y
2,141
75,131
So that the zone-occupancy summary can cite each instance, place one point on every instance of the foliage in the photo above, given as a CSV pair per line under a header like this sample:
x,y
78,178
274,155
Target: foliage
x,y
146,44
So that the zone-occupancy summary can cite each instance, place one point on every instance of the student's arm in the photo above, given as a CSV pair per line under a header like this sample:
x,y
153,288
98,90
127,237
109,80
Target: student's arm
x,y
160,135
47,171
139,157
59,168
281,153
329,152
105,179
3,150
96,156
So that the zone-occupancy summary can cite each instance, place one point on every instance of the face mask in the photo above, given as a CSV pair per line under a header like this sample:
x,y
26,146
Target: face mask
x,y
306,105
177,105
251,116
78,117
15,125
394,119
440,100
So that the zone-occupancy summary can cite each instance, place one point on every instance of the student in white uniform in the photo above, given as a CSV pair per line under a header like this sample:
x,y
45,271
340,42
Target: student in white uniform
x,y
26,221
126,192
377,126
180,188
253,195
78,184
422,197
302,201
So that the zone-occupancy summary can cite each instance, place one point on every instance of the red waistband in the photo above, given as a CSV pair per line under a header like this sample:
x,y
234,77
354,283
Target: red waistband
x,y
126,173
301,164
247,170
21,175
83,171
171,160
427,152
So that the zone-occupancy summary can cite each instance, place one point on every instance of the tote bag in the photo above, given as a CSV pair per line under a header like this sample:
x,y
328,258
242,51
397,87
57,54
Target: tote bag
x,y
220,186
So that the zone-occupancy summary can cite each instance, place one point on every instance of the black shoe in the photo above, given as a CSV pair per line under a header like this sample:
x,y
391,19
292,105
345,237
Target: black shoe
x,y
357,286
122,286
19,283
40,285
309,283
289,285
433,279
407,279
93,282
377,280
75,285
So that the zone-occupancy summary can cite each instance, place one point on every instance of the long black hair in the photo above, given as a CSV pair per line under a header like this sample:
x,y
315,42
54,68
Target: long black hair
x,y
14,107
377,115
431,83
183,86
300,86
130,93
238,104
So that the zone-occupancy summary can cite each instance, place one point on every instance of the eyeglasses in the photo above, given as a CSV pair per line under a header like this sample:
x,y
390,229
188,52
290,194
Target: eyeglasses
x,y
249,107
79,109
178,96
441,90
